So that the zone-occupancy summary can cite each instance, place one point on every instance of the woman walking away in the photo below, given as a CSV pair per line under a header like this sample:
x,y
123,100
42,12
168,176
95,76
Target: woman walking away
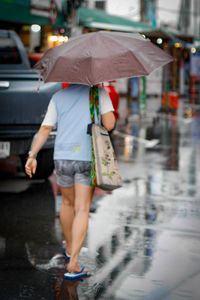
x,y
69,111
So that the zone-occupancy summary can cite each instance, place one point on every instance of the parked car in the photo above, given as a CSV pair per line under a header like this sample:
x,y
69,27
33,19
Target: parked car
x,y
22,108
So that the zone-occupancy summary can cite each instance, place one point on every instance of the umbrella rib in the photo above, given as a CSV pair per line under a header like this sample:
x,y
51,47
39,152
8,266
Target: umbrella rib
x,y
146,71
135,56
131,52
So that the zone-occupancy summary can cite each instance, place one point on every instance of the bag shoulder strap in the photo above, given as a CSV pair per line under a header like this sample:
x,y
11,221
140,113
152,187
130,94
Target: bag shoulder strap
x,y
94,103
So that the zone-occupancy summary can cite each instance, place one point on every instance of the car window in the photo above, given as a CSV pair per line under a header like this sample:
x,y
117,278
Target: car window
x,y
9,53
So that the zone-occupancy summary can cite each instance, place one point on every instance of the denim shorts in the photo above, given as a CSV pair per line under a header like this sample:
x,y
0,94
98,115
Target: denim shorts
x,y
70,171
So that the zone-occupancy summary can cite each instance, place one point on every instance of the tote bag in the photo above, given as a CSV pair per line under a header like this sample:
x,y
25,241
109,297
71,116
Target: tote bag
x,y
104,172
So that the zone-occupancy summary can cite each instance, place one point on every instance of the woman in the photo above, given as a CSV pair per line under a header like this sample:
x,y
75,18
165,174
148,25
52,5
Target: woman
x,y
69,109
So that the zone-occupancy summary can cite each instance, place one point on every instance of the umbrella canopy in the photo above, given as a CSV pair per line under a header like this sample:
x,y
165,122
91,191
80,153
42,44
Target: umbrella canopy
x,y
101,56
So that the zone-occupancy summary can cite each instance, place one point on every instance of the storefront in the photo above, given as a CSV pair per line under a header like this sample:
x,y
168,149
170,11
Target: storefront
x,y
93,19
34,20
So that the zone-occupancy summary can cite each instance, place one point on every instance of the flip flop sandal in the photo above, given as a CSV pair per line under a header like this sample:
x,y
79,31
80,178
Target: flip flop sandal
x,y
64,250
75,275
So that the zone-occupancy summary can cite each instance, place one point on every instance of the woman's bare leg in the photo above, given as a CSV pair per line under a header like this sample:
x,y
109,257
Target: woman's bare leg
x,y
67,214
83,199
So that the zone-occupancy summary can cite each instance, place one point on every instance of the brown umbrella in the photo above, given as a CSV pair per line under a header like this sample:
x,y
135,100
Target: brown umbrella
x,y
101,56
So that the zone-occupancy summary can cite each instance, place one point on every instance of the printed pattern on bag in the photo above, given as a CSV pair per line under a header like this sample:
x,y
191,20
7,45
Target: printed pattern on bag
x,y
106,160
108,176
104,172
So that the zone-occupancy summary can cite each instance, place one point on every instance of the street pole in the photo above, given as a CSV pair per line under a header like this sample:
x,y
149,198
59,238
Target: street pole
x,y
141,10
142,96
195,18
175,69
167,110
70,12
167,95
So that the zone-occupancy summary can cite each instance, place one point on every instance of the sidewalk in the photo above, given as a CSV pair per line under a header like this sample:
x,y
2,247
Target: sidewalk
x,y
144,239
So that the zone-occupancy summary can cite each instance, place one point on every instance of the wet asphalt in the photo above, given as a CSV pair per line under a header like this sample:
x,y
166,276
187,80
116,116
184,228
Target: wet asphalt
x,y
143,239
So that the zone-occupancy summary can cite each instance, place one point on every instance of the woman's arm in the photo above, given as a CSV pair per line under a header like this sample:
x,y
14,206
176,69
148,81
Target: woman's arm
x,y
108,120
39,141
106,109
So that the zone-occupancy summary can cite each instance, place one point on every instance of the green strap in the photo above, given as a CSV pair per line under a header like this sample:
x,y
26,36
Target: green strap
x,y
94,104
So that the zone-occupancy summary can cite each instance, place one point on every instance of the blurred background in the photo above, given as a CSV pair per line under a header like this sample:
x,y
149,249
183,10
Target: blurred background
x,y
143,239
172,25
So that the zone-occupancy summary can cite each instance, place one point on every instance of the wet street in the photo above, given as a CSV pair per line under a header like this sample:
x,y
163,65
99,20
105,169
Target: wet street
x,y
143,239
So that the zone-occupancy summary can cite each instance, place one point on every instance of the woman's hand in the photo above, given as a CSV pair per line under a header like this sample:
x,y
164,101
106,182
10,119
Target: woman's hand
x,y
38,142
31,166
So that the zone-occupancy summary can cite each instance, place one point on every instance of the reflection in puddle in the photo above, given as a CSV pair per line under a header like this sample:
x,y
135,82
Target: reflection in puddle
x,y
128,251
143,239
68,290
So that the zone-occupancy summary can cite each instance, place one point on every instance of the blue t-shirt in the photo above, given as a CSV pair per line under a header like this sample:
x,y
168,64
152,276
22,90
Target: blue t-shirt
x,y
69,109
73,116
